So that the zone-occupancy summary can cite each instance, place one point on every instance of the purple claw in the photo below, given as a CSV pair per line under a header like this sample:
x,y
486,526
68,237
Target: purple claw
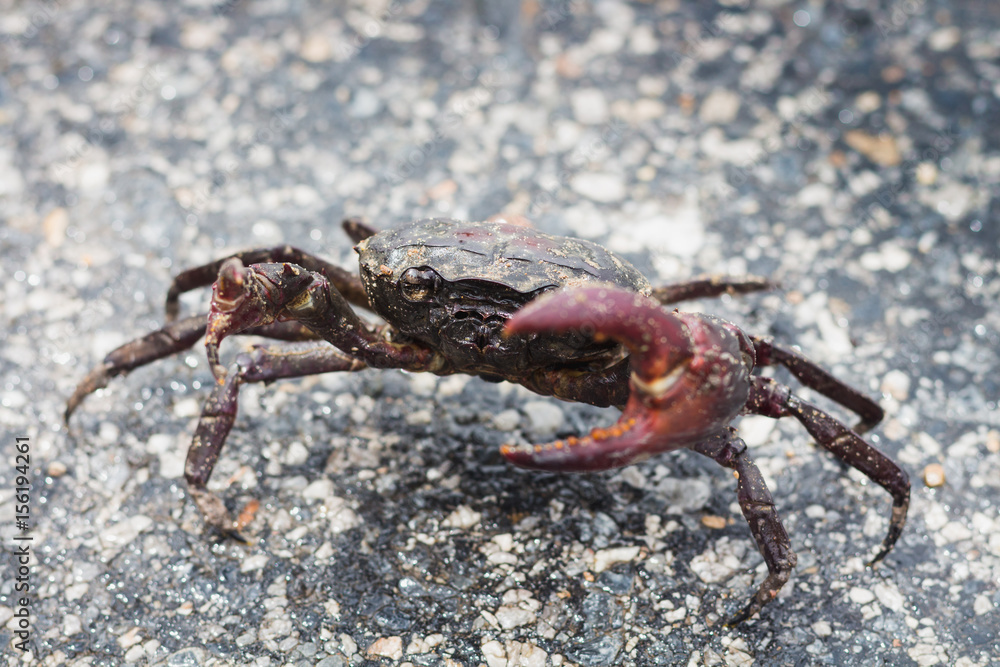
x,y
246,297
689,377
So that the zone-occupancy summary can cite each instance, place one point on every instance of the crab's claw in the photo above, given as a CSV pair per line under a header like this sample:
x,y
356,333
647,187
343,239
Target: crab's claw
x,y
246,297
690,376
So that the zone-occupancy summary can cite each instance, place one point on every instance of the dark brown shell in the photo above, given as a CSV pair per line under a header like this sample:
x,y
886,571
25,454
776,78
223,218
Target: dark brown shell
x,y
517,257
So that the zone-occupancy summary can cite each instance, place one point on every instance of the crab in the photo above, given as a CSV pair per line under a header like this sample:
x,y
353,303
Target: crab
x,y
563,317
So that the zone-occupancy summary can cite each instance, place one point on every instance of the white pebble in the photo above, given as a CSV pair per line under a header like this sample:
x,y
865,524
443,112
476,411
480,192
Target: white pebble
x,y
720,107
589,106
822,629
896,383
861,595
544,418
296,454
599,186
605,558
506,420
463,517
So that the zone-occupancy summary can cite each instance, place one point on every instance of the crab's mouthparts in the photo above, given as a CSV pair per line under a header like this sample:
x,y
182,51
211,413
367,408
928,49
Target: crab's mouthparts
x,y
475,334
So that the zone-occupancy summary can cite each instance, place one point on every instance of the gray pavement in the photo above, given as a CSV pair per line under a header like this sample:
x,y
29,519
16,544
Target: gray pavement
x,y
849,151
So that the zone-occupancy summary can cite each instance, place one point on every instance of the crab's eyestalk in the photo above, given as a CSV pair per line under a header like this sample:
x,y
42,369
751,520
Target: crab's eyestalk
x,y
689,378
247,297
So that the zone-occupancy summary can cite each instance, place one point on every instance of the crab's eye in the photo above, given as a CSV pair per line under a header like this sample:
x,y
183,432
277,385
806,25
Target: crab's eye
x,y
418,284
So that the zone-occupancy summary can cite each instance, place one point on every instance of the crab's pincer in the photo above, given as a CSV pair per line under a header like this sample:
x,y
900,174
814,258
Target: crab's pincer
x,y
689,376
248,297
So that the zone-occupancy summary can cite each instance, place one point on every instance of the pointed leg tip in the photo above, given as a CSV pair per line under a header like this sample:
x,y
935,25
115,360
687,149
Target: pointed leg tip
x,y
96,379
740,617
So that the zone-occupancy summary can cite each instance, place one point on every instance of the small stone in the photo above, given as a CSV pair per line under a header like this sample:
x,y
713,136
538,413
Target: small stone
x,y
123,532
720,107
72,624
420,417
589,106
599,186
927,173
54,226
544,418
512,617
893,74
365,104
606,558
934,475
56,469
945,38
387,647
882,150
822,629
296,454
130,638
712,521
316,48
896,383
861,595
868,101
463,517
342,517
993,441
494,654
506,420
719,562
253,563
318,490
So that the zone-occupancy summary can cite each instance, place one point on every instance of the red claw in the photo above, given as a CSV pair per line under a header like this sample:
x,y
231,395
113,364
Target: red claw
x,y
246,297
689,377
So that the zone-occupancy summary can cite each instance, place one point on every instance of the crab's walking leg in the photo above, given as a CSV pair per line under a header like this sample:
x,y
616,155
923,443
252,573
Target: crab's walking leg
x,y
771,399
162,343
346,283
357,229
171,339
758,508
808,373
710,286
261,364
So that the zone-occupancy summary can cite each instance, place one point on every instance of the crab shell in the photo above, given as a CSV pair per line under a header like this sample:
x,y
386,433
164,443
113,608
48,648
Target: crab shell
x,y
513,256
478,275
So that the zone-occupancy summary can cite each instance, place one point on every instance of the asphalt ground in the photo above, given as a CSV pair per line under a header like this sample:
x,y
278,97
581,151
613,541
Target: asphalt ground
x,y
850,152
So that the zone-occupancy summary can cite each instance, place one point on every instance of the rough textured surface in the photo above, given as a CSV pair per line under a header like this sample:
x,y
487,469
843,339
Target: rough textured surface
x,y
850,152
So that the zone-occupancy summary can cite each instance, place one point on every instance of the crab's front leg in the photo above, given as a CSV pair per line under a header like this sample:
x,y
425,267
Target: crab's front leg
x,y
262,295
689,377
248,297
